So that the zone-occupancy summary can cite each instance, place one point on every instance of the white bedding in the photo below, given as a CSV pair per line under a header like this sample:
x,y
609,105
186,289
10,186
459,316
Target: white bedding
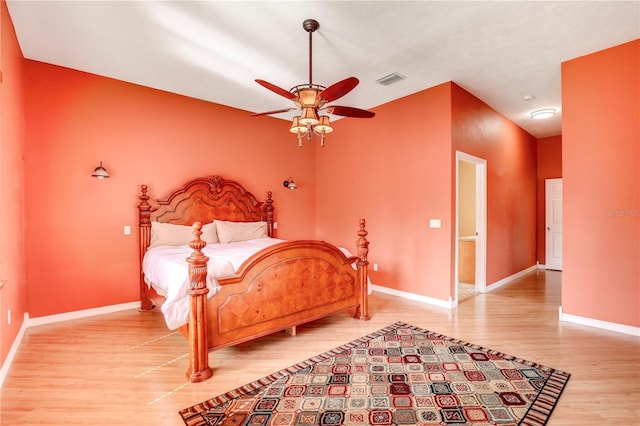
x,y
166,270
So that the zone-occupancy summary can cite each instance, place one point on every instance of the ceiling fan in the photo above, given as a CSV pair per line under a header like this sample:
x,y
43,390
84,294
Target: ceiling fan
x,y
312,99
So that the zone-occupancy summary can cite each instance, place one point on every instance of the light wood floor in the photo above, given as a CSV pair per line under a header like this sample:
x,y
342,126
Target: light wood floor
x,y
127,368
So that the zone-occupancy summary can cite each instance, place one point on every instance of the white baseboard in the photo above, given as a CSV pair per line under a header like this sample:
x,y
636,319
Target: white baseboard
x,y
605,325
412,296
507,280
4,371
447,304
50,319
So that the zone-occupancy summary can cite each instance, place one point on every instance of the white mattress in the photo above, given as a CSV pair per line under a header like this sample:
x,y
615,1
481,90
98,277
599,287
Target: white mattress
x,y
166,270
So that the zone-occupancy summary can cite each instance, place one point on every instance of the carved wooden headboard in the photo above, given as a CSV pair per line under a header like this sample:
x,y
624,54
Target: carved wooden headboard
x,y
203,200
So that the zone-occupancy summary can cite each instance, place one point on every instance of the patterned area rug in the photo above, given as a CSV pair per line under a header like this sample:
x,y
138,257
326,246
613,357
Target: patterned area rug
x,y
399,375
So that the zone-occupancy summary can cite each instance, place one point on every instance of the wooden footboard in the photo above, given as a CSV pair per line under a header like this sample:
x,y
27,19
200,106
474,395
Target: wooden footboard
x,y
285,285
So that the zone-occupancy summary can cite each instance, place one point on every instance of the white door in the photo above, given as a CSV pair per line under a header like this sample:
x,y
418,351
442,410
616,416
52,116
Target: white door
x,y
553,240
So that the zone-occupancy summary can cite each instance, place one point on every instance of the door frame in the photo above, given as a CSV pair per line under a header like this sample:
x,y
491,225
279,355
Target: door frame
x,y
481,221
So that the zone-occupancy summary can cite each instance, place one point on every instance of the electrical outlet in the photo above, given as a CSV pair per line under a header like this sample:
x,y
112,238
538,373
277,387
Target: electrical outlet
x,y
275,225
375,267
127,230
9,317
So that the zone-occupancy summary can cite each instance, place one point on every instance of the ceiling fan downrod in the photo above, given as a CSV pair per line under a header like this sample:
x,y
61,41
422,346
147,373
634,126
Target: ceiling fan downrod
x,y
310,26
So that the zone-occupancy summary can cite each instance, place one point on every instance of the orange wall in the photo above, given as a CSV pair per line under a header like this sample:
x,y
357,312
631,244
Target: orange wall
x,y
601,185
78,257
398,171
510,153
549,166
12,266
389,170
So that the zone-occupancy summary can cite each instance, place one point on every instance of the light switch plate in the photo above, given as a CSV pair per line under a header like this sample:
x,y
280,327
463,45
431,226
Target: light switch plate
x,y
435,223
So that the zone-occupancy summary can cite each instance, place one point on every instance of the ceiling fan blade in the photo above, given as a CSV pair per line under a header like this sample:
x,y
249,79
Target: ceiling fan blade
x,y
275,89
346,111
278,111
339,89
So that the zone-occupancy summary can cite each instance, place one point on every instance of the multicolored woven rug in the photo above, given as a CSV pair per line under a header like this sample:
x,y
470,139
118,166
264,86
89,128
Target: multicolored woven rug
x,y
399,375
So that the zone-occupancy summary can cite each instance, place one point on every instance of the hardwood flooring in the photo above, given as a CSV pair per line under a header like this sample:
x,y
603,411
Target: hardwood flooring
x,y
127,368
466,291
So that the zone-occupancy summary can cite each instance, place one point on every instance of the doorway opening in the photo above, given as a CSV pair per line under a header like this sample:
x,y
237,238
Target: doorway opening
x,y
471,226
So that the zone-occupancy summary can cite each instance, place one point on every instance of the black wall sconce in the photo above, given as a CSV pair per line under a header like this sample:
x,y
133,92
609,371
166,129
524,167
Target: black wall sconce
x,y
100,172
289,183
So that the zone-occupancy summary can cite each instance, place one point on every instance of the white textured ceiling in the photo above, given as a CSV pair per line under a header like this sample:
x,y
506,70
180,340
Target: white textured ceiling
x,y
500,51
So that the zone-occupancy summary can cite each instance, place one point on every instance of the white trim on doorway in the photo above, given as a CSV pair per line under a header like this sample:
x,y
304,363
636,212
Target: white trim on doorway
x,y
481,221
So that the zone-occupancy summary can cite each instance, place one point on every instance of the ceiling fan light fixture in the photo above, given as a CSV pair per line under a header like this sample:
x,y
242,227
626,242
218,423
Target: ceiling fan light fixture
x,y
309,116
311,98
296,127
299,129
307,97
323,126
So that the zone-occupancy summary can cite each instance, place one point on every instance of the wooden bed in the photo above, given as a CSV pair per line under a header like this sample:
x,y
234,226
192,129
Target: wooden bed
x,y
278,288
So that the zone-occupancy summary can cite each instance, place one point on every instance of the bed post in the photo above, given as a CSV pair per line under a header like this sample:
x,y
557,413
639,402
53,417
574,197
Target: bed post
x,y
199,369
269,210
362,312
144,222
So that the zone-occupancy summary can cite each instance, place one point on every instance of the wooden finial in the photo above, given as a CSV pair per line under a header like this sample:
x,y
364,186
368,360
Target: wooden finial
x,y
362,244
144,207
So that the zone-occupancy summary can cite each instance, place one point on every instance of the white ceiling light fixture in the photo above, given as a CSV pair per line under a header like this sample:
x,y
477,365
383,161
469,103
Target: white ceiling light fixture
x,y
541,114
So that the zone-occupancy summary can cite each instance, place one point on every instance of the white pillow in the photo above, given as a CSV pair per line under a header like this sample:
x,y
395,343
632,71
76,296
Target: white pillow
x,y
209,233
229,232
168,234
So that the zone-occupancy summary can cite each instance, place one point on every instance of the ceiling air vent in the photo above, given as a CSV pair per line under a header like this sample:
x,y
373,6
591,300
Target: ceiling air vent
x,y
390,79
